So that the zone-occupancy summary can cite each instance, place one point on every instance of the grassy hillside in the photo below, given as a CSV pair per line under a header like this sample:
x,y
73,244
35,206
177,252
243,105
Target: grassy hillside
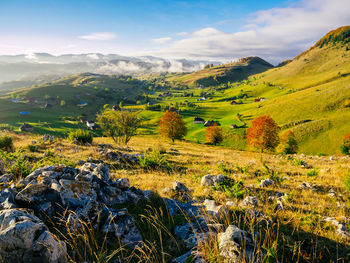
x,y
232,72
63,96
310,90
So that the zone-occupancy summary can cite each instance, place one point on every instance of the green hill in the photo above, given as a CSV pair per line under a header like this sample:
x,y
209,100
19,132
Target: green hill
x,y
306,95
53,107
232,72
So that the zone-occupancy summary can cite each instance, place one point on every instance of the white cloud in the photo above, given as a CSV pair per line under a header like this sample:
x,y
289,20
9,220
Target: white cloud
x,y
181,34
99,36
274,34
161,40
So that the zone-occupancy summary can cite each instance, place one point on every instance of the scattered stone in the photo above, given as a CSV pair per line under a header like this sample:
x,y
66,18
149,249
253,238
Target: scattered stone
x,y
207,180
250,201
48,138
213,209
236,245
266,183
279,206
211,180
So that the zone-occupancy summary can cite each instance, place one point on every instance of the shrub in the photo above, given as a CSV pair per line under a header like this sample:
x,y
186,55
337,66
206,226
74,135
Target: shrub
x,y
80,136
6,143
345,147
153,160
32,148
312,173
16,164
288,143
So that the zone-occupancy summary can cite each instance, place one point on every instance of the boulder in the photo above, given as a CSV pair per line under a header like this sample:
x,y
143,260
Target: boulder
x,y
24,238
41,198
121,225
266,182
76,193
236,245
7,199
213,209
207,180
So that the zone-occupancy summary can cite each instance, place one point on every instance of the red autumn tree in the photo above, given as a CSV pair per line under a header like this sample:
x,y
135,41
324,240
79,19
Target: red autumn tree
x,y
214,134
263,134
172,126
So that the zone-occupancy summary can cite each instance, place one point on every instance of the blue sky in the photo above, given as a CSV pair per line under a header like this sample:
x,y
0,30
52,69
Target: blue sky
x,y
221,29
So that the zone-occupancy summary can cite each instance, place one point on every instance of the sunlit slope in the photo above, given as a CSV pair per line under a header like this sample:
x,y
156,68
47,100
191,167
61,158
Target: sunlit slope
x,y
224,73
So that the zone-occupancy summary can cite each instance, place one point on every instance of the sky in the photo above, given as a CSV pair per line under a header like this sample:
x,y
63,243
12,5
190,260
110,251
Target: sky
x,y
204,29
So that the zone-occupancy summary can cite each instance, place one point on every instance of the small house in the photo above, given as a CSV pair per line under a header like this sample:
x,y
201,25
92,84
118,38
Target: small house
x,y
234,102
116,107
90,125
15,100
198,120
211,123
23,113
26,127
31,100
257,100
48,106
82,104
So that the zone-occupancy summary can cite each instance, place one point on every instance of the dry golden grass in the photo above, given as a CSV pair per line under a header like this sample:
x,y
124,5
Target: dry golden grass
x,y
304,209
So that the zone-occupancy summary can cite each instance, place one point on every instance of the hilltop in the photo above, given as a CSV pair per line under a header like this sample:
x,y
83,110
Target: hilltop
x,y
232,72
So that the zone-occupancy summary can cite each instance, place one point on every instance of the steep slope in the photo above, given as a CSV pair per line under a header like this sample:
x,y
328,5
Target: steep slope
x,y
232,72
318,83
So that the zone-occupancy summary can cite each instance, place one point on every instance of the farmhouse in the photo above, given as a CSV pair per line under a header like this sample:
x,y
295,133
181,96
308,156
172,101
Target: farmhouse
x,y
48,106
116,107
82,104
198,120
31,100
90,125
211,123
23,113
15,100
26,127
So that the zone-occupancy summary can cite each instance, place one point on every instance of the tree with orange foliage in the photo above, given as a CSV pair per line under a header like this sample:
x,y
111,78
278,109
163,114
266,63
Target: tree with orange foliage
x,y
172,126
288,143
345,147
263,134
214,134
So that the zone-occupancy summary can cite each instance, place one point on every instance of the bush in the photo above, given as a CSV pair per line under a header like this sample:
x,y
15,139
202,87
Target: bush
x,y
312,173
288,143
153,160
16,163
80,137
6,143
345,147
32,148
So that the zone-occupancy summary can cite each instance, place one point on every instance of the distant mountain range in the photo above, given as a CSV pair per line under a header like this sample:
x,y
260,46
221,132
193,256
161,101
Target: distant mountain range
x,y
27,67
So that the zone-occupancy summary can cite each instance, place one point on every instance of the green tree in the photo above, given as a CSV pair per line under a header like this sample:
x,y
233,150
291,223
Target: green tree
x,y
120,125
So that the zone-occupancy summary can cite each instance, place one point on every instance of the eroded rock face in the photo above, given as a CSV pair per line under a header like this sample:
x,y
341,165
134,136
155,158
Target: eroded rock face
x,y
25,238
63,194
